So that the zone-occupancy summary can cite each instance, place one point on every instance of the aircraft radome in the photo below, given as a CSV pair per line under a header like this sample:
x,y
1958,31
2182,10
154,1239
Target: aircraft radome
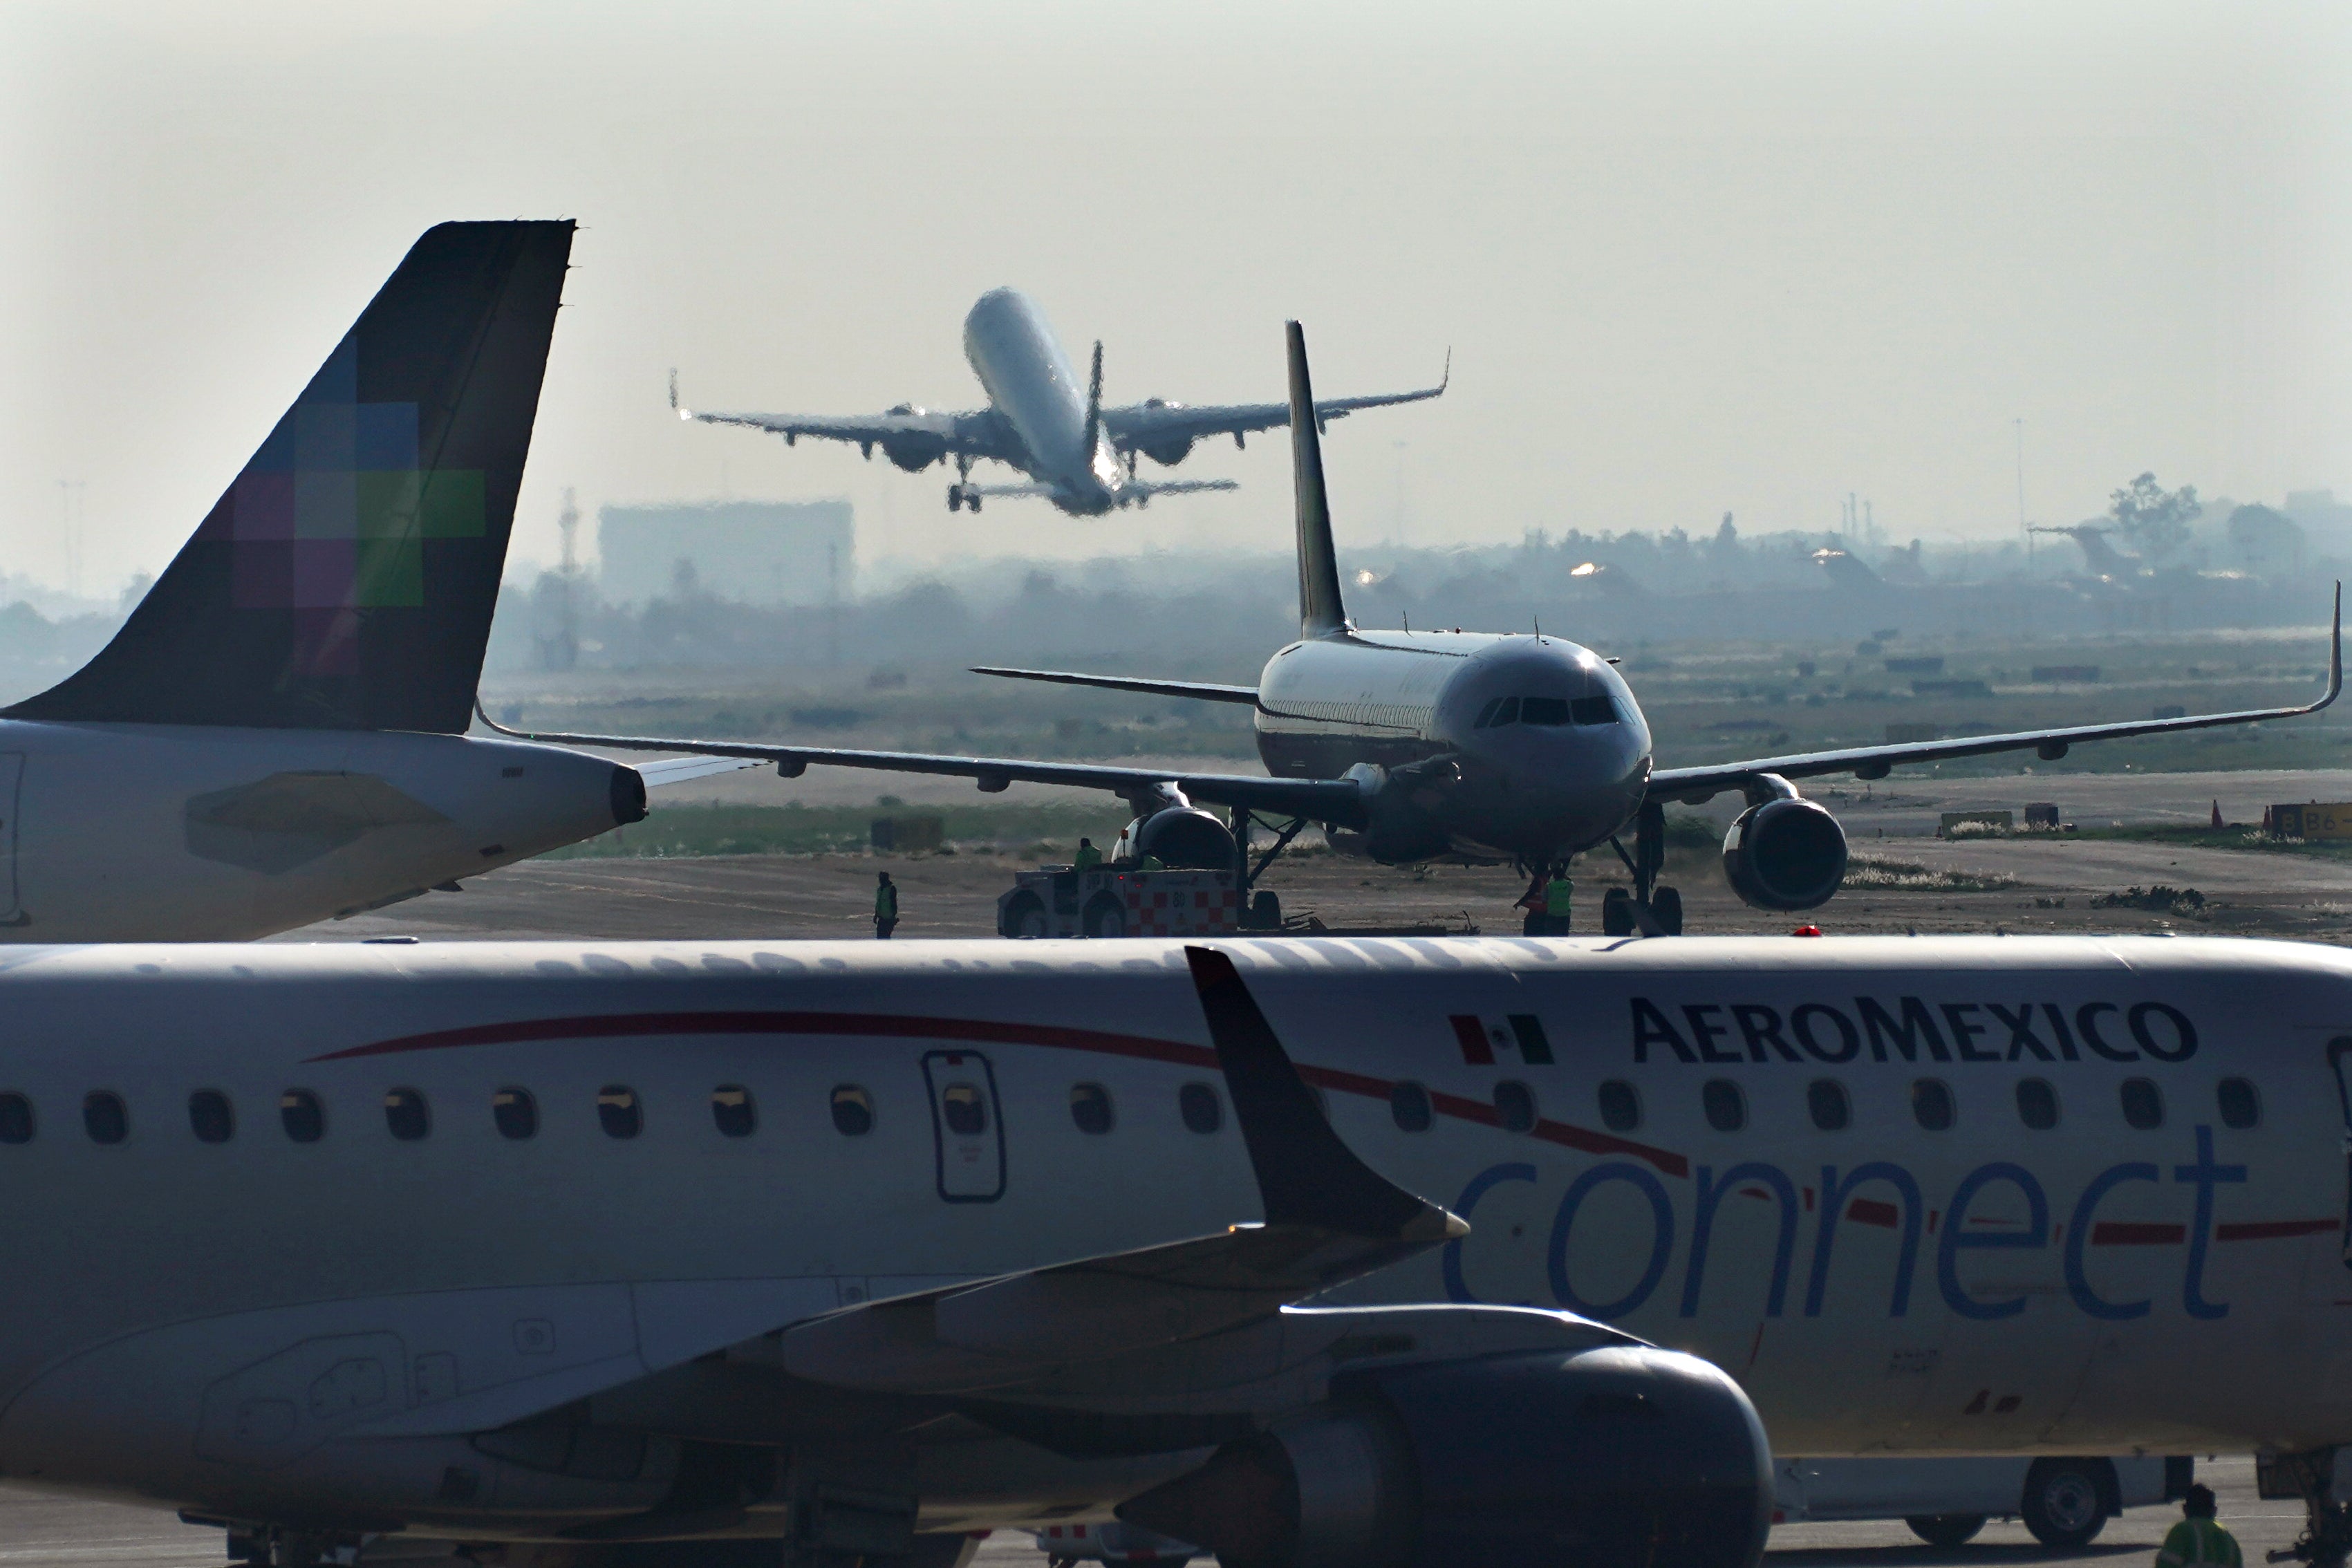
x,y
605,1254
1502,748
1077,454
278,734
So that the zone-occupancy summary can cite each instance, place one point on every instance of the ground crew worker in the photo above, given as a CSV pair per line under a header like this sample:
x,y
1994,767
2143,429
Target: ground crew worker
x,y
1150,863
2199,1539
1088,858
1559,894
886,906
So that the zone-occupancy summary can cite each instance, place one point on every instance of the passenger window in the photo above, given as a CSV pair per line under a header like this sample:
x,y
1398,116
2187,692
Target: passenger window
x,y
1543,710
1202,1110
304,1118
210,1117
853,1111
516,1114
1931,1104
15,1118
1725,1107
407,1114
2142,1103
732,1112
2239,1104
1594,710
2037,1104
1620,1106
1825,1101
1514,1102
104,1117
1090,1108
1408,1107
964,1112
1509,713
618,1108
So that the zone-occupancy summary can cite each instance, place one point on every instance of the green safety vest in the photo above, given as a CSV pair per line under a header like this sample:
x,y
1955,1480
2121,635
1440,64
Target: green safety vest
x,y
1088,858
2199,1540
886,901
1558,894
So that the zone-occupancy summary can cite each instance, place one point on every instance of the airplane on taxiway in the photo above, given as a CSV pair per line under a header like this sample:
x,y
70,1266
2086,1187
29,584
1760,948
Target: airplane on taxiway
x,y
278,734
1506,748
725,1254
1077,454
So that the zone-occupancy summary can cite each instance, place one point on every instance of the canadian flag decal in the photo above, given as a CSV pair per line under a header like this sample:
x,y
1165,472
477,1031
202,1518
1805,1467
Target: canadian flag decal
x,y
1520,1032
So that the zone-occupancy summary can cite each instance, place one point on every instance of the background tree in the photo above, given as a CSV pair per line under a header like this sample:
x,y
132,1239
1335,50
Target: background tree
x,y
2154,520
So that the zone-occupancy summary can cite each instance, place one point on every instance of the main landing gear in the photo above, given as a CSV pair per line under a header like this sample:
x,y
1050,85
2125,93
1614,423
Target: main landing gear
x,y
2327,1537
961,496
1649,908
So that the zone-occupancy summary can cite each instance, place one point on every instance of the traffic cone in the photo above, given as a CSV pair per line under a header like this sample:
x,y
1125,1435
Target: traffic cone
x,y
2217,815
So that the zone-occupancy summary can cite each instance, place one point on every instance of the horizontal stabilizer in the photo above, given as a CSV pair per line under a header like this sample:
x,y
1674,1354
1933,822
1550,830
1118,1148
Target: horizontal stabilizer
x,y
1208,692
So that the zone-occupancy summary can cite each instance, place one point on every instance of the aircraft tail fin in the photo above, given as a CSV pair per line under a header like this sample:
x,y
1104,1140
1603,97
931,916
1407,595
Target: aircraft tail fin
x,y
1094,406
1321,611
346,579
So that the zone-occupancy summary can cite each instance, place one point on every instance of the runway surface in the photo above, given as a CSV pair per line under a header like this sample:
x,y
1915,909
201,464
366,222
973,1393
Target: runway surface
x,y
40,1530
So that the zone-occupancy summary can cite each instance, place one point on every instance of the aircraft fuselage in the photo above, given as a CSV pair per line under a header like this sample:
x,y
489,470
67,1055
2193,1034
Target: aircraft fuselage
x,y
288,1223
1030,383
201,833
1528,790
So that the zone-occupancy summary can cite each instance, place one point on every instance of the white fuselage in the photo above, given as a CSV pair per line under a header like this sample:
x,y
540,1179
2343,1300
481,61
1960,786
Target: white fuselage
x,y
267,1324
1030,381
186,833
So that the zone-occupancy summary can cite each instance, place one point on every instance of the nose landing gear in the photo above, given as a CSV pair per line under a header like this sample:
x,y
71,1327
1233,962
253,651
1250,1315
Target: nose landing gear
x,y
2327,1537
1649,908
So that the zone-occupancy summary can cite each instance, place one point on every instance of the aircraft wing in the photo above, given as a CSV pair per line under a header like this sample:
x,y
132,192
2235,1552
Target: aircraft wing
x,y
1138,424
1328,1218
1341,802
1694,785
978,433
1208,691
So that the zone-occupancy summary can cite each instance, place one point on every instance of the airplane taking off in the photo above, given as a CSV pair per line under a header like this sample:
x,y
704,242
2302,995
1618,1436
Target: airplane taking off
x,y
1077,454
278,734
1524,749
716,1255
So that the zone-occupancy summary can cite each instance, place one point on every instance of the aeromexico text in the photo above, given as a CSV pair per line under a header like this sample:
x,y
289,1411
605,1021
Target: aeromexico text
x,y
1912,1029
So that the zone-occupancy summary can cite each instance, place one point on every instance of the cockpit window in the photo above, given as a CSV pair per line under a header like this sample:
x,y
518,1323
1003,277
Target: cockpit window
x,y
1543,710
1548,711
1594,711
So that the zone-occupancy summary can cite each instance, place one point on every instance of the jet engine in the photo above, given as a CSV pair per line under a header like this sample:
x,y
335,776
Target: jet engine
x,y
1787,854
1182,836
1618,1457
914,452
1168,451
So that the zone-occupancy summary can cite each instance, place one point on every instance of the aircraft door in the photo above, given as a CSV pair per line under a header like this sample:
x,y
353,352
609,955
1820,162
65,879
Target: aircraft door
x,y
967,1133
2339,1050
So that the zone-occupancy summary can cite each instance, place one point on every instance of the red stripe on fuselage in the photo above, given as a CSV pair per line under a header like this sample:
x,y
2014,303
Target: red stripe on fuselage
x,y
978,1031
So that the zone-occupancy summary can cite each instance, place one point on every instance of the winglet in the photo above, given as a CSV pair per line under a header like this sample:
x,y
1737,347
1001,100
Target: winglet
x,y
1446,379
1321,611
2334,653
1306,1174
674,408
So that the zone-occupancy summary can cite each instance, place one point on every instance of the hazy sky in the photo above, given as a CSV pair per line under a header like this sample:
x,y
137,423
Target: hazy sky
x,y
1689,258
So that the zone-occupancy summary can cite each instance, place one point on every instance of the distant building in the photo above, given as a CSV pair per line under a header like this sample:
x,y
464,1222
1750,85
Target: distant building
x,y
752,551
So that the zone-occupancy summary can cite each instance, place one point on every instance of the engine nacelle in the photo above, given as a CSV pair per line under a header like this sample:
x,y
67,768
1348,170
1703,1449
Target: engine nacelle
x,y
1618,1457
1183,837
1785,854
914,453
1168,451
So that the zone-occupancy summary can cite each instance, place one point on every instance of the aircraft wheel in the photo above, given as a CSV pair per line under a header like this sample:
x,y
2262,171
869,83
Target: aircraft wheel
x,y
1024,916
1617,912
1946,1529
1105,917
1265,910
2066,1505
972,502
1667,909
955,498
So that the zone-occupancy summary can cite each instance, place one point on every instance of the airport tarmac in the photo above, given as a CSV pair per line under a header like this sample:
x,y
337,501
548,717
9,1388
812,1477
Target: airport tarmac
x,y
35,1529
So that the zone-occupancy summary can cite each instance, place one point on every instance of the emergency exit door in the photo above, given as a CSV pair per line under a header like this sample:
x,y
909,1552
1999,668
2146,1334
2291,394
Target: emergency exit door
x,y
2339,1050
967,1133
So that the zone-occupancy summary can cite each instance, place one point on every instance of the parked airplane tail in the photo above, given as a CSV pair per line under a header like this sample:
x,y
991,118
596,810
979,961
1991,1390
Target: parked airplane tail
x,y
1321,611
346,579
